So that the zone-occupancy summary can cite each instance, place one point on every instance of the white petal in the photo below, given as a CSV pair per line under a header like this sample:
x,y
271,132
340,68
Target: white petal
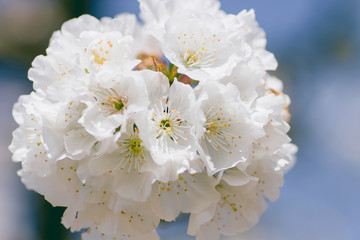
x,y
200,48
189,194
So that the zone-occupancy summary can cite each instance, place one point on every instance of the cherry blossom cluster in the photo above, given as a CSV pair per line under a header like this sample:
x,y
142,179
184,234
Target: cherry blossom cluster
x,y
131,123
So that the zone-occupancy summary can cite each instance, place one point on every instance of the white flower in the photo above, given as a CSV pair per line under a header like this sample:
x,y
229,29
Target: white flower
x,y
242,188
118,218
241,202
244,27
65,134
248,77
155,13
93,234
125,23
130,164
66,39
269,111
200,47
167,129
227,133
27,144
109,51
53,76
115,98
190,193
238,209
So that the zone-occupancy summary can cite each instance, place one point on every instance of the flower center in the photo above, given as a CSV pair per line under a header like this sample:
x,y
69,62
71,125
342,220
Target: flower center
x,y
97,58
110,101
191,57
171,127
118,104
214,126
165,124
132,147
132,154
169,122
199,58
135,146
101,51
217,131
199,50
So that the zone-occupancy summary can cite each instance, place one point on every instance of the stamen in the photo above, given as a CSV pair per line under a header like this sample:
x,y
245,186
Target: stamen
x,y
110,100
198,51
132,154
217,132
169,122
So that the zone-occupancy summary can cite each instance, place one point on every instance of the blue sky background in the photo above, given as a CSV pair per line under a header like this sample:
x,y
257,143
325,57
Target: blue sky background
x,y
317,45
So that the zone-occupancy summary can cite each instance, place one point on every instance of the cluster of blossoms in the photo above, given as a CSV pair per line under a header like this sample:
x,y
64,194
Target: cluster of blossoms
x,y
131,124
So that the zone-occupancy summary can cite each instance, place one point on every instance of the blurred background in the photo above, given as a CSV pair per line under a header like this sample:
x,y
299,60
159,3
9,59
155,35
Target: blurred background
x,y
317,44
